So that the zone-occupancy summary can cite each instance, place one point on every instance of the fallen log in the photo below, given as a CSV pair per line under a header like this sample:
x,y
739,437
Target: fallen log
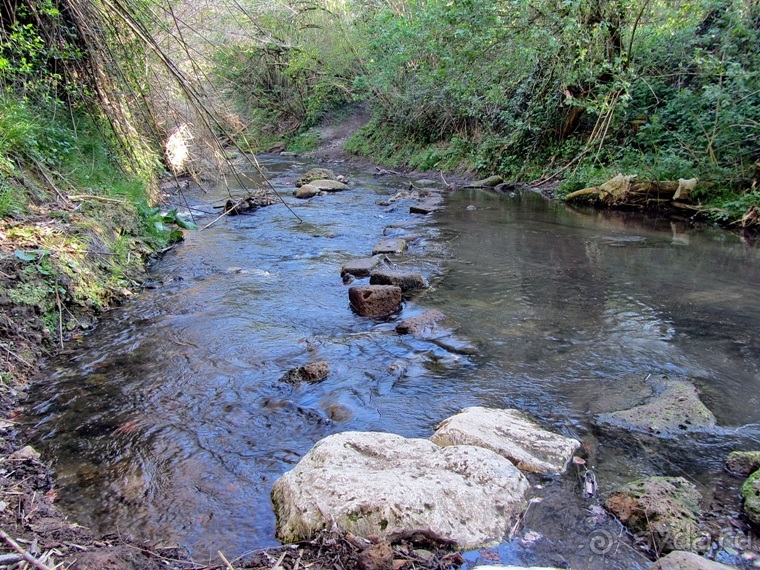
x,y
626,191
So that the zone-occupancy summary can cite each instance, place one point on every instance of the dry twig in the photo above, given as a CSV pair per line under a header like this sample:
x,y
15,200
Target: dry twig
x,y
28,557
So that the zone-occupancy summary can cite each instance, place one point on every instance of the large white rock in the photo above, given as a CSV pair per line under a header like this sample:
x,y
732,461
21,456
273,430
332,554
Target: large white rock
x,y
370,483
511,434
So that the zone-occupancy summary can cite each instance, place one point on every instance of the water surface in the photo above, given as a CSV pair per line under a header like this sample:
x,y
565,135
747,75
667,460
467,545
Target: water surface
x,y
170,422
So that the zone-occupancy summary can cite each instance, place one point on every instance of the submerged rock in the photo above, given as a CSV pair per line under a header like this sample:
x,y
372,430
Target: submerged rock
x,y
315,174
511,434
743,462
406,280
455,344
751,494
375,300
424,326
673,409
311,373
662,510
392,487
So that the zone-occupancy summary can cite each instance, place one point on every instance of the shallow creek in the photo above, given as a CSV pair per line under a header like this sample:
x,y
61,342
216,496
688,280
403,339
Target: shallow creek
x,y
170,423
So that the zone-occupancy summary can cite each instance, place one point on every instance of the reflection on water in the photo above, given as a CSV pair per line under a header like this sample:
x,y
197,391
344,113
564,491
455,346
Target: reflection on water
x,y
170,422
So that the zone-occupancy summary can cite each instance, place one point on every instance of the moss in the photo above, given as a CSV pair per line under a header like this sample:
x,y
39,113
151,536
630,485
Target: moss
x,y
663,510
751,494
743,462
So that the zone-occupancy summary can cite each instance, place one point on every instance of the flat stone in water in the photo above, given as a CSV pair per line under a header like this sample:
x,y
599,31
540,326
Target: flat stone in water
x,y
406,280
361,267
675,408
390,246
425,208
424,326
328,185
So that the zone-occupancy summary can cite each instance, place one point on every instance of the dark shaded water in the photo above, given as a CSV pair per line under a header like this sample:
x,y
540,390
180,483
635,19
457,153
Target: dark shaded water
x,y
170,422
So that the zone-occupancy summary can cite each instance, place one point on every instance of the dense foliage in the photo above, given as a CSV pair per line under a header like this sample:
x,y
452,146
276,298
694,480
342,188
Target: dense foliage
x,y
79,156
292,64
569,90
669,89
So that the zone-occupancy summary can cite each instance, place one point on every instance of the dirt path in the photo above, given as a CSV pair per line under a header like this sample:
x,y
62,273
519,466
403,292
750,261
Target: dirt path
x,y
335,132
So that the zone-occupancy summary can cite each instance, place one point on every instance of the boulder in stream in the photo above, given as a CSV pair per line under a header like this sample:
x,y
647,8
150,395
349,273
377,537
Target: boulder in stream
x,y
674,408
664,511
392,487
315,174
743,462
375,300
511,434
306,191
406,280
751,494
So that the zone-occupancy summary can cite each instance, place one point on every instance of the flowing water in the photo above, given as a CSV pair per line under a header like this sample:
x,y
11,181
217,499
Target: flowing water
x,y
170,422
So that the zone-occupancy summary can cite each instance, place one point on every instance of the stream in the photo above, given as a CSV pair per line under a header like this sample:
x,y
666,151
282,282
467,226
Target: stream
x,y
170,422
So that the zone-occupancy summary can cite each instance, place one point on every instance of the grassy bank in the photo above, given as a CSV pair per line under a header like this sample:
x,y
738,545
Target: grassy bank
x,y
75,229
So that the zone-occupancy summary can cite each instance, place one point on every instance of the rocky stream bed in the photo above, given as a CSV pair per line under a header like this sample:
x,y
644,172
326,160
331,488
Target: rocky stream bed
x,y
393,426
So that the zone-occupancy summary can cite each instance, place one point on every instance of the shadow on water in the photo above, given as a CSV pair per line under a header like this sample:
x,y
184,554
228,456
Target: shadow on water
x,y
170,422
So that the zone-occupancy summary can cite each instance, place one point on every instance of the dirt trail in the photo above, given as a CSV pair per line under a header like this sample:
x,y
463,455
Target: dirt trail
x,y
335,132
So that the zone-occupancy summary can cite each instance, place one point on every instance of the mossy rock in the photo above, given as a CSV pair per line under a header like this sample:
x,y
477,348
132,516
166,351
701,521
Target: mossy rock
x,y
673,409
315,174
751,494
743,462
489,182
664,511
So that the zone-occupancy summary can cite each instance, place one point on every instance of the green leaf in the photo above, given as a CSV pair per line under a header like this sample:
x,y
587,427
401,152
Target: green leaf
x,y
25,256
185,224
